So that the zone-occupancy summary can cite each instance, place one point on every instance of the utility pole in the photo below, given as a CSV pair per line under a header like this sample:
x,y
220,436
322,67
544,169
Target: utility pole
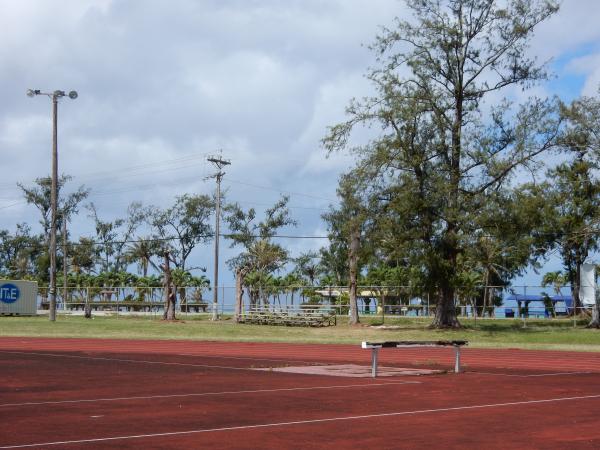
x,y
219,163
54,96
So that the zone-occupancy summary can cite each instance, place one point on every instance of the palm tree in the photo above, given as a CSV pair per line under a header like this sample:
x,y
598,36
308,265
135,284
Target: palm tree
x,y
141,252
558,280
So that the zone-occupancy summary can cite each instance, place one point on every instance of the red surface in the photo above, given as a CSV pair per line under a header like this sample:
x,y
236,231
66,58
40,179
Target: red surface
x,y
186,394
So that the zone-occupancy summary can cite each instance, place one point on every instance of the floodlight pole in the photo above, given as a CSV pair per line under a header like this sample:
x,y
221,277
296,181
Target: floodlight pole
x,y
53,192
219,163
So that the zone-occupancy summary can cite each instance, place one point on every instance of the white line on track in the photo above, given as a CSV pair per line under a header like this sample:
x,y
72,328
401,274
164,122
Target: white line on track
x,y
140,361
247,358
306,422
203,394
533,375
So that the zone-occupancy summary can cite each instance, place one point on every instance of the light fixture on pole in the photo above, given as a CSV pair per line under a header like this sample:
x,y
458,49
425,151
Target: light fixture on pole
x,y
54,190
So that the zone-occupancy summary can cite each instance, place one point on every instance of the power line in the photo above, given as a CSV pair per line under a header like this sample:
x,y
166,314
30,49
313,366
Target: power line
x,y
279,190
13,204
175,238
109,174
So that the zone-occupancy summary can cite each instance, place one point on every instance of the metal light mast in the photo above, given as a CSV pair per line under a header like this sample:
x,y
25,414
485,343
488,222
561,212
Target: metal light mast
x,y
54,190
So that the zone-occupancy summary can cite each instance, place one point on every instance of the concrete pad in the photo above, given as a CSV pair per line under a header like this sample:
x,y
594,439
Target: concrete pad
x,y
352,370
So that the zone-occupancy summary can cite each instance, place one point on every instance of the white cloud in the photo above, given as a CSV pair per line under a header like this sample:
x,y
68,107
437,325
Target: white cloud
x,y
260,79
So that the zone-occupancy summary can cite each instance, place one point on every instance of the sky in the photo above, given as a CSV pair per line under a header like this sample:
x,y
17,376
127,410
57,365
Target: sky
x,y
162,85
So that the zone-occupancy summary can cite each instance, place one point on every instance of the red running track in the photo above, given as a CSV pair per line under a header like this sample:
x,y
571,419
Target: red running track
x,y
88,393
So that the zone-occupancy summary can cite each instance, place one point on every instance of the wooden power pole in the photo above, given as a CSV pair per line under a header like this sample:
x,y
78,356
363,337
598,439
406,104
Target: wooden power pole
x,y
219,163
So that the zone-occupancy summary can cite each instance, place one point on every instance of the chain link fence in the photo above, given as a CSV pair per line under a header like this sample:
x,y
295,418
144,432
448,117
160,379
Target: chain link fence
x,y
523,302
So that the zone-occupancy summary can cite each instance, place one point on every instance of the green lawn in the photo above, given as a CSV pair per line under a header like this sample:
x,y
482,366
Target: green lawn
x,y
557,334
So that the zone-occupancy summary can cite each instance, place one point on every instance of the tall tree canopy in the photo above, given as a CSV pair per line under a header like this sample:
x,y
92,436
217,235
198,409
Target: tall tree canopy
x,y
39,196
439,147
187,222
260,256
573,191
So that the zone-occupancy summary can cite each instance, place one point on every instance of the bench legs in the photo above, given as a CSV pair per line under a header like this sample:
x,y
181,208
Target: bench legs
x,y
456,359
374,354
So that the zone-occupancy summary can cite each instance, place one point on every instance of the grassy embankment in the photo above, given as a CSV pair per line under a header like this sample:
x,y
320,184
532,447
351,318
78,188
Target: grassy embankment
x,y
557,334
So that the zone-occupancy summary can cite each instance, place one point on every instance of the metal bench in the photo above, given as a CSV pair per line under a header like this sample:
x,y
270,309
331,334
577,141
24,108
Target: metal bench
x,y
375,346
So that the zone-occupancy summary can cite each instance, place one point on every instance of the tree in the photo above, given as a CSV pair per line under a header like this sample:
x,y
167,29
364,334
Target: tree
x,y
183,279
39,196
434,149
555,279
187,222
170,296
260,254
349,223
84,255
574,194
23,255
141,252
307,266
113,236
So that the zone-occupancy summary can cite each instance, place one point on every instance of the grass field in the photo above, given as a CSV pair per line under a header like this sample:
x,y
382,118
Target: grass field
x,y
542,334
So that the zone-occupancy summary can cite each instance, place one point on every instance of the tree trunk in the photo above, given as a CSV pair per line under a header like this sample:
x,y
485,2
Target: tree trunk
x,y
445,311
239,293
575,283
595,322
183,300
87,309
170,297
353,270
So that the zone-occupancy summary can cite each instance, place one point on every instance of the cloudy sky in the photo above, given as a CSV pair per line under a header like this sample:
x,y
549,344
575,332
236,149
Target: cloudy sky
x,y
163,84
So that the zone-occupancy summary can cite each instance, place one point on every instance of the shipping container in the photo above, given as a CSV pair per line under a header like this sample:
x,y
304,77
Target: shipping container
x,y
18,297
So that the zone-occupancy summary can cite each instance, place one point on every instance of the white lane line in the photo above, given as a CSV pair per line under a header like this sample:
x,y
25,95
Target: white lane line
x,y
140,361
306,422
247,358
534,375
204,394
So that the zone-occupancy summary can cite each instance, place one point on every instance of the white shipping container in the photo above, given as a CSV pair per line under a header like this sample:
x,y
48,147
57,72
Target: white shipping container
x,y
18,297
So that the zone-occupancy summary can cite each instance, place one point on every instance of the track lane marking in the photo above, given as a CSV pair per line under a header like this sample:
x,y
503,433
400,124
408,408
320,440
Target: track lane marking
x,y
201,394
139,361
305,422
248,358
534,375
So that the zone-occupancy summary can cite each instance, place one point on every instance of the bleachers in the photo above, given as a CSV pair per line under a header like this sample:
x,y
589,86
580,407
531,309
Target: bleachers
x,y
290,317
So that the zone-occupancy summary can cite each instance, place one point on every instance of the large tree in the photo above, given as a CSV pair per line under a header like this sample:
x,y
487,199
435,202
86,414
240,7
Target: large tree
x,y
39,195
442,144
113,236
260,255
574,189
23,255
348,224
183,226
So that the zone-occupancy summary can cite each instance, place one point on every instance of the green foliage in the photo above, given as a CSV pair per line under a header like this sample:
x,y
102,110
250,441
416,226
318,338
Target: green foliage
x,y
112,236
23,255
260,254
436,162
187,220
39,195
